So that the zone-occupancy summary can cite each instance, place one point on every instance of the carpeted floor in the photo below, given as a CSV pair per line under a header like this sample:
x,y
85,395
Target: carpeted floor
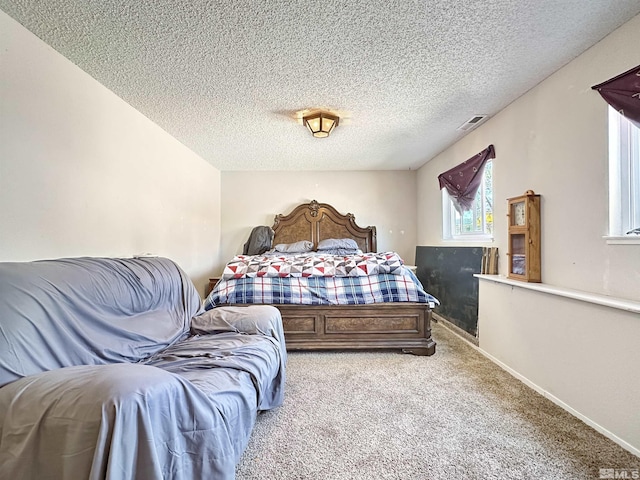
x,y
455,415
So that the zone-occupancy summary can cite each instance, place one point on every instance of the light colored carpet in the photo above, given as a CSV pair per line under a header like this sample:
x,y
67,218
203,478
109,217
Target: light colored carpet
x,y
387,415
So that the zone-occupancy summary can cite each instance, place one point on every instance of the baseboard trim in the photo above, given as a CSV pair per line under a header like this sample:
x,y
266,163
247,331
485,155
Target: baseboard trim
x,y
455,329
563,405
474,344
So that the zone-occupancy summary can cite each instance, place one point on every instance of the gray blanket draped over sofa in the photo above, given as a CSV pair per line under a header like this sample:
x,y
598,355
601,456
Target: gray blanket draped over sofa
x,y
109,368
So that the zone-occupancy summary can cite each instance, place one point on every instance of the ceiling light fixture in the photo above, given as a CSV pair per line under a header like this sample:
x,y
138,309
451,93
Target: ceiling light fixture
x,y
320,124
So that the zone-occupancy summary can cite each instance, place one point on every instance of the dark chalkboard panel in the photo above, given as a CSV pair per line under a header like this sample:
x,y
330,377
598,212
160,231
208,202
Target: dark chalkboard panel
x,y
447,274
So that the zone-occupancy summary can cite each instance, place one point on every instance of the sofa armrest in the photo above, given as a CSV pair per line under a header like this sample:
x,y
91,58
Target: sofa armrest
x,y
252,320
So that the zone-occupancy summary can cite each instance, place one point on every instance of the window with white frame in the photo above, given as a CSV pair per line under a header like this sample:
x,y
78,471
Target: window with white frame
x,y
624,176
476,223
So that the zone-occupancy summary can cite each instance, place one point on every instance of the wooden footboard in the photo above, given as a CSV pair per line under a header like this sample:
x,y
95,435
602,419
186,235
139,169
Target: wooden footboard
x,y
404,326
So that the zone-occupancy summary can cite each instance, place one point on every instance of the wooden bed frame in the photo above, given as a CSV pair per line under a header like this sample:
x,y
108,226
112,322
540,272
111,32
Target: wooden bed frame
x,y
403,325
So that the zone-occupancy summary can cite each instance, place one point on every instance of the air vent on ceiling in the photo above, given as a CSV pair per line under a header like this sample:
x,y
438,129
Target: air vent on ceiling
x,y
473,122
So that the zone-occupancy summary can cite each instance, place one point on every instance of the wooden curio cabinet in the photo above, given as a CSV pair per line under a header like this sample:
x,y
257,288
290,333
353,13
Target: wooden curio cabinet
x,y
524,238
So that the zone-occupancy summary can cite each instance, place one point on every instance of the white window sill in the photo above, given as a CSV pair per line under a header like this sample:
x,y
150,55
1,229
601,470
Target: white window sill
x,y
469,239
598,299
622,239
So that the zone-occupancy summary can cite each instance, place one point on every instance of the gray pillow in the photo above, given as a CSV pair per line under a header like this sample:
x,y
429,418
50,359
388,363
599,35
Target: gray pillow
x,y
340,251
335,243
297,247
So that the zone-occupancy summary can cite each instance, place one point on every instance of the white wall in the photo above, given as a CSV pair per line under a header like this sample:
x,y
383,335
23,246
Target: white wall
x,y
554,140
82,173
384,199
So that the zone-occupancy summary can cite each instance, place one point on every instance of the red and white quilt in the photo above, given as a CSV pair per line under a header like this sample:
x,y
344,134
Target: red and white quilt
x,y
315,265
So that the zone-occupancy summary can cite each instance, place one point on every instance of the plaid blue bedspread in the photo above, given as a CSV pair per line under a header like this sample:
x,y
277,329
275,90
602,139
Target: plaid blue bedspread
x,y
381,288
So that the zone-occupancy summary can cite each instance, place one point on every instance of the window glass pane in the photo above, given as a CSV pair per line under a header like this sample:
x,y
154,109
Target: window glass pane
x,y
478,211
474,222
634,176
488,222
467,221
488,197
624,175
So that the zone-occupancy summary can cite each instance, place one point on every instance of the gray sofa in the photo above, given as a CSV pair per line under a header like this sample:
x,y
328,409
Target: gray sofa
x,y
110,369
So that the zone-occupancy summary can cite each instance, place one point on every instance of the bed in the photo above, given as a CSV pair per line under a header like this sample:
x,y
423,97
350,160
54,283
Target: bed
x,y
403,325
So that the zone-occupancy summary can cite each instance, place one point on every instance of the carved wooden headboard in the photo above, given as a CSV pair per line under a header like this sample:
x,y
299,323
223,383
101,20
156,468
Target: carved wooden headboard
x,y
318,221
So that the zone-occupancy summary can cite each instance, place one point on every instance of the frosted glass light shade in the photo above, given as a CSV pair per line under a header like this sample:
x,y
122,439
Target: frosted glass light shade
x,y
321,124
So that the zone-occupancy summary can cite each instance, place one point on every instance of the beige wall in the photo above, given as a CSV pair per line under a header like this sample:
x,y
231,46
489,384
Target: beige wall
x,y
554,140
582,356
385,199
84,173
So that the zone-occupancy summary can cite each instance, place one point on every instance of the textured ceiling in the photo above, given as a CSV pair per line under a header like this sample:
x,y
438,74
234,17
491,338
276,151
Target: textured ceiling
x,y
227,77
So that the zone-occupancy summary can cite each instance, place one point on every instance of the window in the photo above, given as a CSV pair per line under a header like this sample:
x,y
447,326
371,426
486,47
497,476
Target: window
x,y
624,175
474,224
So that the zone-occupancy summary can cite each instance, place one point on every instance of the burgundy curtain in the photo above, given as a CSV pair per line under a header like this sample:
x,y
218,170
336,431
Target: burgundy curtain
x,y
462,181
623,94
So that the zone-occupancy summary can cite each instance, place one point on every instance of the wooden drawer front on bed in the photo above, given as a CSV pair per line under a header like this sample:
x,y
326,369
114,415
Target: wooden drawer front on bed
x,y
301,324
405,326
366,324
